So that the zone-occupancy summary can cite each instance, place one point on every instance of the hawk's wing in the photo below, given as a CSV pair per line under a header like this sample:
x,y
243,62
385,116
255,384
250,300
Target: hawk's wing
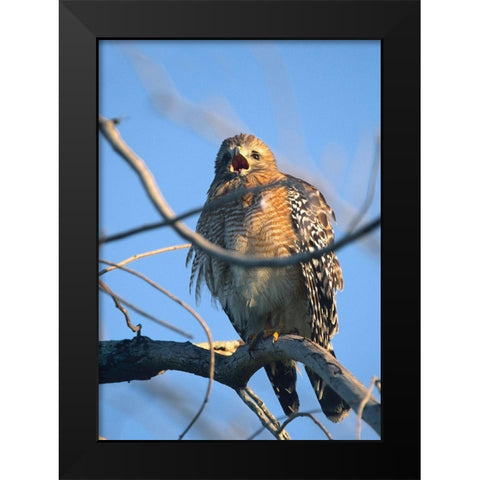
x,y
323,276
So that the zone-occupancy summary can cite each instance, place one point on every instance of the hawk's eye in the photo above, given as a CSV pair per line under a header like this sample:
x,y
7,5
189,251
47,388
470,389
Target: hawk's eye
x,y
256,155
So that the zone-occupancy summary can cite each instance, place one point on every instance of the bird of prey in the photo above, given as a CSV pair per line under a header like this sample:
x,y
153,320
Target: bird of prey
x,y
291,216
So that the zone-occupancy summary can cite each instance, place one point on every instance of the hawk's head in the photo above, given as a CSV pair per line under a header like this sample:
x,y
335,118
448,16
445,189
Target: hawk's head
x,y
243,155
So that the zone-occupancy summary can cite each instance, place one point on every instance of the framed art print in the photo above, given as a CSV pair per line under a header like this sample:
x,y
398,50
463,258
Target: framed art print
x,y
239,239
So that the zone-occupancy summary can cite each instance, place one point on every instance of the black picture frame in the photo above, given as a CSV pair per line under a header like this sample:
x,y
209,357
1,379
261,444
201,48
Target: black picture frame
x,y
397,25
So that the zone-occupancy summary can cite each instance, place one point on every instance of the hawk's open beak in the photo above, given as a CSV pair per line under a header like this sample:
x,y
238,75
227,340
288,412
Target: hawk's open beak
x,y
239,162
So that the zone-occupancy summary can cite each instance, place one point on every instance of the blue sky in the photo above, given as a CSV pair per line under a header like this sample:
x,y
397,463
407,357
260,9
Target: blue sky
x,y
317,105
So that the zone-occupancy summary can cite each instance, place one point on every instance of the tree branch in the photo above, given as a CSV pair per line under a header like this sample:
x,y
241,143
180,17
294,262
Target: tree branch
x,y
107,289
309,415
207,124
156,320
259,408
142,358
107,127
138,256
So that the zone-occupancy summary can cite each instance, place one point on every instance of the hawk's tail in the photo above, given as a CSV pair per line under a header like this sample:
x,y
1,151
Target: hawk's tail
x,y
333,406
283,377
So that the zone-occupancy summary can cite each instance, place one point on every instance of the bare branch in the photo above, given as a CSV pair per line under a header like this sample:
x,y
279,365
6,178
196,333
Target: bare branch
x,y
142,358
266,418
130,325
108,129
163,323
144,228
262,405
260,430
143,255
167,293
309,415
363,403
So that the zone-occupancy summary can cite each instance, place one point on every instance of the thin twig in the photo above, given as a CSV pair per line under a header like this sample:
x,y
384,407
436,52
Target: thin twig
x,y
148,315
309,415
260,430
261,404
112,135
130,325
267,419
143,255
362,405
197,317
128,233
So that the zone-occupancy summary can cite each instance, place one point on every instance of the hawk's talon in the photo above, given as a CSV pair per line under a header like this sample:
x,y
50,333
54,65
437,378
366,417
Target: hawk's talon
x,y
253,339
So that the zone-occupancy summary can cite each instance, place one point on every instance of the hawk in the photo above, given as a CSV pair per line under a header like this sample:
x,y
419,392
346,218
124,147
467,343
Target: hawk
x,y
288,217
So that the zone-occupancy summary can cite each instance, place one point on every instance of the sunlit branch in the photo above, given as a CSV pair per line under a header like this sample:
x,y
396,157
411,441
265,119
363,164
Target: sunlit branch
x,y
223,347
107,127
234,370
